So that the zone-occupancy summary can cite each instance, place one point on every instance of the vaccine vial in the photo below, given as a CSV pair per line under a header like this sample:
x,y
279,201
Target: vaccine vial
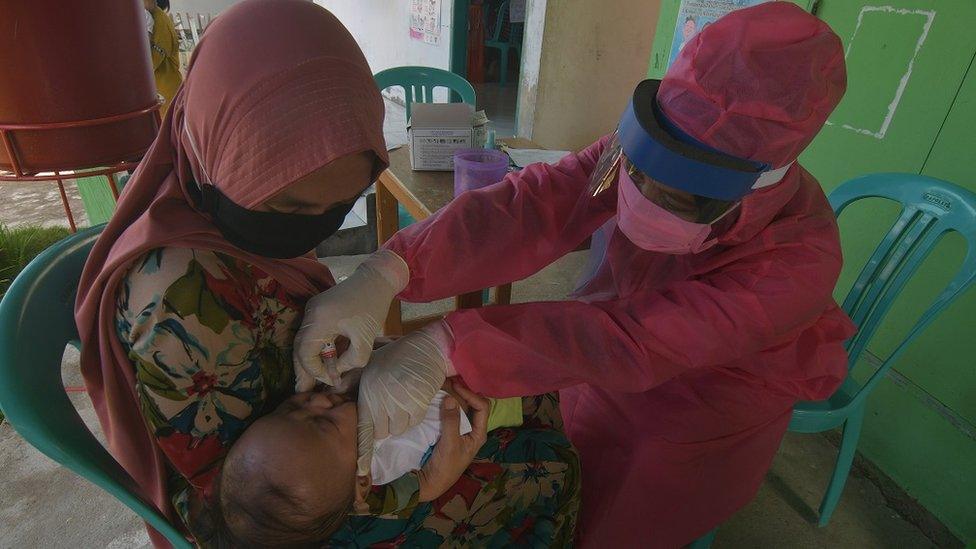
x,y
329,355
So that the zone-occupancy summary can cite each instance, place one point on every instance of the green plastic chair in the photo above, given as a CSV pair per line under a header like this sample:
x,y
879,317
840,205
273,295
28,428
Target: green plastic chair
x,y
930,209
505,36
705,541
418,85
36,323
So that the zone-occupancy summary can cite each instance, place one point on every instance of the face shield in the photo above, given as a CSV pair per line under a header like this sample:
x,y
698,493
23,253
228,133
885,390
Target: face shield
x,y
672,169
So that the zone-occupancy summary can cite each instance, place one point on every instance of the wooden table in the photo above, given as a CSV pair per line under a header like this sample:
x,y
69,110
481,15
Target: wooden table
x,y
422,194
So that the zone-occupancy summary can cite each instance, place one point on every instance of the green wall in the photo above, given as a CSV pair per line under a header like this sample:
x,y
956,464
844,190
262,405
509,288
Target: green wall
x,y
921,423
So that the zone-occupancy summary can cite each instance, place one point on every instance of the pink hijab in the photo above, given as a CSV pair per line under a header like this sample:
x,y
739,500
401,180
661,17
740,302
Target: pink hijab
x,y
275,90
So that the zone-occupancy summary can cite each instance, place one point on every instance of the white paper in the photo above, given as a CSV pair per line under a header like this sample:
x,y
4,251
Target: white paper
x,y
357,216
425,21
524,157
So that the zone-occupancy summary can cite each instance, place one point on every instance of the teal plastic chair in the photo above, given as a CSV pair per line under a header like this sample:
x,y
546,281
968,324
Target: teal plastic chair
x,y
930,209
418,85
705,541
505,36
36,323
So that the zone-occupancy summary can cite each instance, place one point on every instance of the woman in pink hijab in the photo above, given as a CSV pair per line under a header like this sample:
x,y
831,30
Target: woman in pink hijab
x,y
191,298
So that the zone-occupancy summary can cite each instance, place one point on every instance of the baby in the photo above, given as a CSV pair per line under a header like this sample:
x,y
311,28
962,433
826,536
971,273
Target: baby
x,y
290,480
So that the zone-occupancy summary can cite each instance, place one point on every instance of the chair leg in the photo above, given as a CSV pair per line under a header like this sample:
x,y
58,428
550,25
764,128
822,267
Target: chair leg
x,y
705,541
503,66
845,457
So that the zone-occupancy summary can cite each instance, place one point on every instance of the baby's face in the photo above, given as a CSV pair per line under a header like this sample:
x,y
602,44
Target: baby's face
x,y
307,448
313,432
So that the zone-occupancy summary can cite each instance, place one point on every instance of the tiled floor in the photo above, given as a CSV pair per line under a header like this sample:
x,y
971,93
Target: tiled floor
x,y
499,104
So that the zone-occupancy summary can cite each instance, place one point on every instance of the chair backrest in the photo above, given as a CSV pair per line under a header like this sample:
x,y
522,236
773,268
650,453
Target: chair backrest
x,y
418,84
930,209
515,36
36,323
495,31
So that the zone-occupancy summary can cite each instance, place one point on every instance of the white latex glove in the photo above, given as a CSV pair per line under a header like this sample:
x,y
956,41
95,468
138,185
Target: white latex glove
x,y
354,308
398,385
349,381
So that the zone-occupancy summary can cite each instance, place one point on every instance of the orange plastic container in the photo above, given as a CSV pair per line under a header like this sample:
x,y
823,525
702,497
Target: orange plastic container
x,y
77,89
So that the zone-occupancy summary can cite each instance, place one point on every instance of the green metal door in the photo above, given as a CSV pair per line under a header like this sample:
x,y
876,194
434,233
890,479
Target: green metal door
x,y
921,427
904,111
905,62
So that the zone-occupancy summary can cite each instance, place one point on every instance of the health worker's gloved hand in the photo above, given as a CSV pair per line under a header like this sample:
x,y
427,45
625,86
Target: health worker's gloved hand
x,y
354,308
398,385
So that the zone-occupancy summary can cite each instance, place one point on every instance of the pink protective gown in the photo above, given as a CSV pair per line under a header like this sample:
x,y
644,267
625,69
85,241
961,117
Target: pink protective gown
x,y
677,372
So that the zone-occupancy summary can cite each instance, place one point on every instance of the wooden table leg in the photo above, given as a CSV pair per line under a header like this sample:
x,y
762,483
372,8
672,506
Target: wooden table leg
x,y
503,294
387,224
468,301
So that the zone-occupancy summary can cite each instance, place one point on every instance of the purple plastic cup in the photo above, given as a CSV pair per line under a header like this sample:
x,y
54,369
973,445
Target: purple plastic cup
x,y
477,168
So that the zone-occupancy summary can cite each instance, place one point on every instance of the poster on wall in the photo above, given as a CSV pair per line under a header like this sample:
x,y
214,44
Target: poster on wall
x,y
695,15
425,20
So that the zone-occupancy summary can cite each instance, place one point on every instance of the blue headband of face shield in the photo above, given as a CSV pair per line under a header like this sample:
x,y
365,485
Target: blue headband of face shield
x,y
666,154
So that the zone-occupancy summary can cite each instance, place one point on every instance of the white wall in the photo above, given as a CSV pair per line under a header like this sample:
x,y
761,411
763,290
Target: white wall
x,y
581,62
382,28
200,6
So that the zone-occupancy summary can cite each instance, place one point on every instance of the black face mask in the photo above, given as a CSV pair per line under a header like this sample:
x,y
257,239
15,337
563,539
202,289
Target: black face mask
x,y
271,234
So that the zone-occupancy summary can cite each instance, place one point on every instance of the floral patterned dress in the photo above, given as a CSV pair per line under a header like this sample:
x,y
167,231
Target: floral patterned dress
x,y
211,337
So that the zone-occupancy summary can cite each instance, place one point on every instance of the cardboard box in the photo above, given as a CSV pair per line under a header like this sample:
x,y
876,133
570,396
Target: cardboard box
x,y
436,131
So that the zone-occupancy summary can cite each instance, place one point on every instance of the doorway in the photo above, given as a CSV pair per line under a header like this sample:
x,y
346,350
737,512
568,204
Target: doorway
x,y
488,53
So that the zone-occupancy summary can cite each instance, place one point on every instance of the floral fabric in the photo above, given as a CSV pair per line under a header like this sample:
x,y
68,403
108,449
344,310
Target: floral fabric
x,y
211,337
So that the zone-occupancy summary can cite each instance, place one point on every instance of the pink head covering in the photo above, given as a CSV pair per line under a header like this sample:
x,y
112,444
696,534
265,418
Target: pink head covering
x,y
275,90
758,83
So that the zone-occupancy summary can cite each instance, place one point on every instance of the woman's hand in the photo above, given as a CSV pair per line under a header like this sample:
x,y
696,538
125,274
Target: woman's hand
x,y
354,309
454,452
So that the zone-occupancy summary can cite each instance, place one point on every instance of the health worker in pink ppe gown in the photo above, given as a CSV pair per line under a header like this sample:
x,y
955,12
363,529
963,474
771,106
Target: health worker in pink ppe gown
x,y
705,312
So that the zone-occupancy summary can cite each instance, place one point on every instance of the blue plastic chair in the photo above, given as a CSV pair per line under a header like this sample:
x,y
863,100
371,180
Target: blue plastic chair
x,y
505,36
36,323
418,85
930,209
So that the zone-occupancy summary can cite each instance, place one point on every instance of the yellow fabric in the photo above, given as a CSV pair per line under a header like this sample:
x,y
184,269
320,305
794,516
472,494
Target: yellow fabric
x,y
165,47
505,412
